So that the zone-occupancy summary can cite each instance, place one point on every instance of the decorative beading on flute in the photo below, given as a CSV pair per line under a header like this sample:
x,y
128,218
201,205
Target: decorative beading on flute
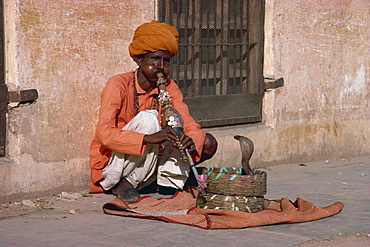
x,y
163,97
171,117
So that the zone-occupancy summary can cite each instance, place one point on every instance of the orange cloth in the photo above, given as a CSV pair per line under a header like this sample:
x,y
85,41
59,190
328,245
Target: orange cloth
x,y
181,209
154,36
117,109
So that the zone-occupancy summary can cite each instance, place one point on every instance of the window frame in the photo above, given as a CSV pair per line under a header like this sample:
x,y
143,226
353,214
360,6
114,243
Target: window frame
x,y
233,107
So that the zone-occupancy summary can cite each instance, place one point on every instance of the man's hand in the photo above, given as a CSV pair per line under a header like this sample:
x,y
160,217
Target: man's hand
x,y
187,142
167,134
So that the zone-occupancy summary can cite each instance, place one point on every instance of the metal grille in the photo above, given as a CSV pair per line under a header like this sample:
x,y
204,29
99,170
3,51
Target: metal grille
x,y
216,67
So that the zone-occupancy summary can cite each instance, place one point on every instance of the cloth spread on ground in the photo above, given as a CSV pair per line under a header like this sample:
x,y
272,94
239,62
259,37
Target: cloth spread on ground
x,y
181,209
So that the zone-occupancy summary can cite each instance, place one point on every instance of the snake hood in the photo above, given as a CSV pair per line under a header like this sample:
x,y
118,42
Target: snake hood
x,y
247,148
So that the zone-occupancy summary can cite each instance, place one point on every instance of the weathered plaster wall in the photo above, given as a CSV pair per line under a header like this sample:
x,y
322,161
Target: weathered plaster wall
x,y
321,48
66,50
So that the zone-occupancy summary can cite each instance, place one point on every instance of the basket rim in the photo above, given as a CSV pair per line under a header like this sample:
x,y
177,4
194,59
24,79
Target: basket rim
x,y
231,173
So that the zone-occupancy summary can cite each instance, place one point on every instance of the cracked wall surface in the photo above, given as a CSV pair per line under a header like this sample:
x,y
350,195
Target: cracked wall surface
x,y
322,112
66,50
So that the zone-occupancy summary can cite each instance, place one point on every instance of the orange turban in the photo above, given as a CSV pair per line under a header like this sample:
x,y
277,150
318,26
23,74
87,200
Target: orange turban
x,y
154,36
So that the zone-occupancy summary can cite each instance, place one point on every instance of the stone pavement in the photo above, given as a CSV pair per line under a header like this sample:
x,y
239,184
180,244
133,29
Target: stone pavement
x,y
62,222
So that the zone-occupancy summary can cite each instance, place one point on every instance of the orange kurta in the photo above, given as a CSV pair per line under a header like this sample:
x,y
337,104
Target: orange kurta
x,y
117,109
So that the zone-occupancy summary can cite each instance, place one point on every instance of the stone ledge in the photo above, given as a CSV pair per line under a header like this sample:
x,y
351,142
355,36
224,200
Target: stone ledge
x,y
242,128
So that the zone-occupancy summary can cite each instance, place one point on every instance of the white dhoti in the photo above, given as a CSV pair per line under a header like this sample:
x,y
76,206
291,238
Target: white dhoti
x,y
172,171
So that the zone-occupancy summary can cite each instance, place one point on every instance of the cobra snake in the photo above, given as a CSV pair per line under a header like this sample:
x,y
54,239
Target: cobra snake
x,y
247,148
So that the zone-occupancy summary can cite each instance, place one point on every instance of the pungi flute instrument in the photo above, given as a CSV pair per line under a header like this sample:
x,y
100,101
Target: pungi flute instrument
x,y
171,117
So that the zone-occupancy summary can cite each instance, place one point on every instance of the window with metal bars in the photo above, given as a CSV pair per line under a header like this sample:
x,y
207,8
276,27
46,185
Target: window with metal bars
x,y
219,66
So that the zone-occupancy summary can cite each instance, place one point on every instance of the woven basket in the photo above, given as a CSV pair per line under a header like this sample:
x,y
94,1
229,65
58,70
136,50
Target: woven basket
x,y
249,204
230,188
234,184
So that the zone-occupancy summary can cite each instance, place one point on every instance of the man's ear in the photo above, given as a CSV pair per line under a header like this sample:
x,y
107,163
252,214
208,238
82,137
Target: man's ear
x,y
137,60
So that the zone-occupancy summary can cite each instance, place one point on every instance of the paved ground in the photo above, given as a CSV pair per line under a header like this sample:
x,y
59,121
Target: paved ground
x,y
58,221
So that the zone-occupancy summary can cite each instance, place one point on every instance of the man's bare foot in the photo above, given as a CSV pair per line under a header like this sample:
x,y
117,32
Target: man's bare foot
x,y
125,191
